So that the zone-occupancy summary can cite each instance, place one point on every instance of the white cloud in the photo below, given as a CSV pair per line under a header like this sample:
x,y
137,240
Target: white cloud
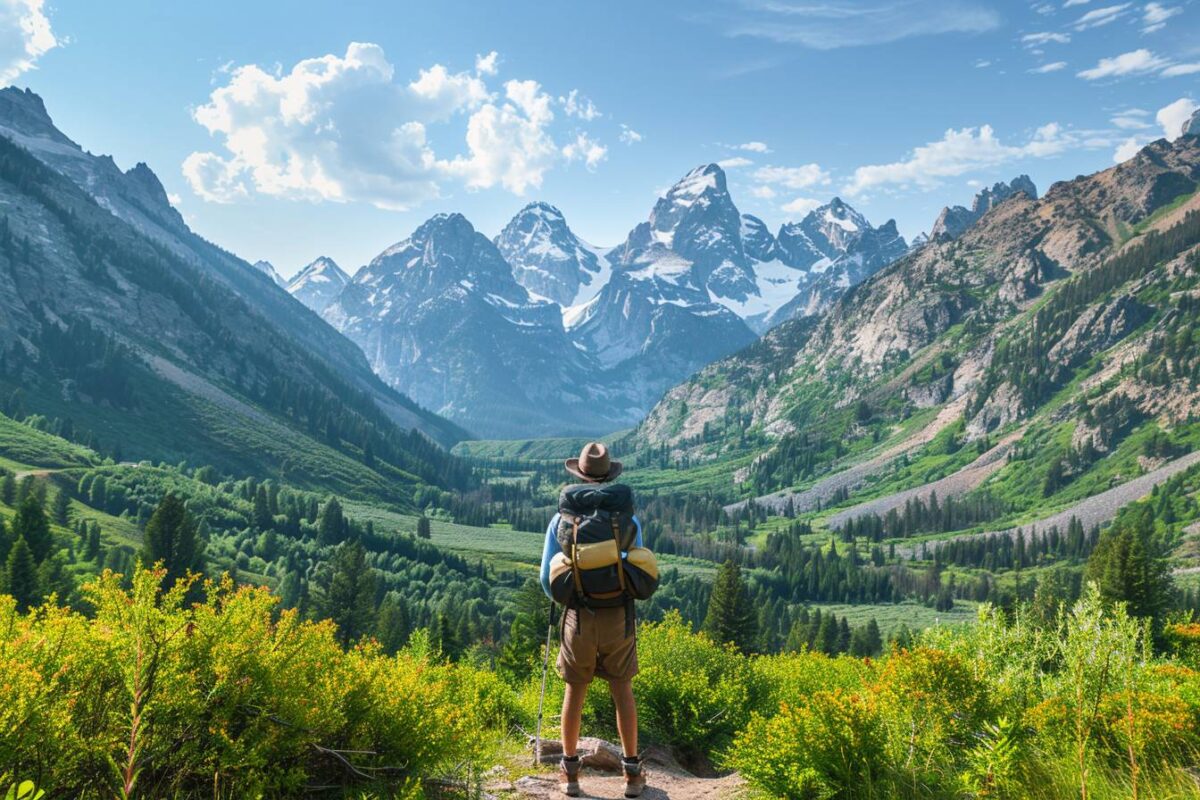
x,y
508,143
444,92
1128,149
1175,70
174,199
576,105
1155,16
487,65
1045,37
957,153
763,192
982,63
851,23
1174,116
734,163
343,128
25,36
628,135
1053,66
1132,119
753,147
801,177
800,205
1101,16
1070,3
586,148
1135,62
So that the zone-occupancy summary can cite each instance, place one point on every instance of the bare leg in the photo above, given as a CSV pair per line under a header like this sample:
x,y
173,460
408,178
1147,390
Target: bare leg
x,y
572,714
627,725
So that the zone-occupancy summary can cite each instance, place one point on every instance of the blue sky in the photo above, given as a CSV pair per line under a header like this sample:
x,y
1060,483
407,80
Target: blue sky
x,y
288,130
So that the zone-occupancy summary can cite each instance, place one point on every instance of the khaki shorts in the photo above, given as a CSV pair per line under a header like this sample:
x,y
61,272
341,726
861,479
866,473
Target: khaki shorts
x,y
594,644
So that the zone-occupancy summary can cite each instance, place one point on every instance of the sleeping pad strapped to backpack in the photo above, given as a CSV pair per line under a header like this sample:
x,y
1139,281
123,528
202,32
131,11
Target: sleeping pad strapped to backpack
x,y
595,526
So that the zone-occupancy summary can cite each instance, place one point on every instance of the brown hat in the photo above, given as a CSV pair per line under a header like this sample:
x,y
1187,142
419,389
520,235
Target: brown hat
x,y
593,464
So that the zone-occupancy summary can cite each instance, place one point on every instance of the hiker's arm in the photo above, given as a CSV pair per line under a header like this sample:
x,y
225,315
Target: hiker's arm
x,y
549,550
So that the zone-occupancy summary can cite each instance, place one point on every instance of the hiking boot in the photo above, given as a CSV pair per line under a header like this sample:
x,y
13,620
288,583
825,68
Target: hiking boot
x,y
568,773
635,777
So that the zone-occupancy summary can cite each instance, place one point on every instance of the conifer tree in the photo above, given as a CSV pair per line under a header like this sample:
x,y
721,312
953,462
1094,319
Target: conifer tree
x,y
1128,567
730,618
171,537
331,523
263,520
20,575
348,593
31,524
423,528
8,489
392,626
527,635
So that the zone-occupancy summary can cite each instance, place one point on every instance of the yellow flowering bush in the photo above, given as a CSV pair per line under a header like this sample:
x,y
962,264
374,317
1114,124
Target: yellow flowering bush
x,y
156,697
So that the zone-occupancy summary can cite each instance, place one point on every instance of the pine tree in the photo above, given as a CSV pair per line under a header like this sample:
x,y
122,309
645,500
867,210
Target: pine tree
x,y
62,508
423,528
527,635
20,575
348,593
331,523
54,578
392,625
1128,567
731,617
8,489
171,537
31,524
263,520
92,551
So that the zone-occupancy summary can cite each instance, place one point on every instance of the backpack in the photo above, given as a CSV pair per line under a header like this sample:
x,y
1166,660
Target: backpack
x,y
595,525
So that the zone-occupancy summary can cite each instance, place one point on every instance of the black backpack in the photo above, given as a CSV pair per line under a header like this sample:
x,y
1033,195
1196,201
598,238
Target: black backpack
x,y
595,525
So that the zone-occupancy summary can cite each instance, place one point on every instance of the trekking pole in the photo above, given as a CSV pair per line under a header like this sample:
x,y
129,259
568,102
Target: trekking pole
x,y
537,736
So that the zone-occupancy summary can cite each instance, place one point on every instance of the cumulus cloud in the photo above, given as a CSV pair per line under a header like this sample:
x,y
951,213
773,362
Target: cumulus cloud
x,y
802,177
586,149
488,64
1171,118
762,192
957,153
800,205
1053,66
628,135
753,147
1135,62
1174,116
734,163
25,36
1176,70
1102,16
1155,16
576,105
345,128
1132,119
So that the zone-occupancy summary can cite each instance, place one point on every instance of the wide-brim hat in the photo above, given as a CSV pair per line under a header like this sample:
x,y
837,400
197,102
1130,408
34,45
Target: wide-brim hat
x,y
593,464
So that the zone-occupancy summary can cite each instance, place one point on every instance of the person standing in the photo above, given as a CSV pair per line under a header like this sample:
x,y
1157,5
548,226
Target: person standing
x,y
594,564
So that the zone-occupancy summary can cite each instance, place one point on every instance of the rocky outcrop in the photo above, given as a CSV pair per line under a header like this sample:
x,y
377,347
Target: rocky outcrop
x,y
954,221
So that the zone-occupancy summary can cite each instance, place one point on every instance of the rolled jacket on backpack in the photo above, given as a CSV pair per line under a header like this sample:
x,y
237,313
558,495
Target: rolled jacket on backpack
x,y
597,573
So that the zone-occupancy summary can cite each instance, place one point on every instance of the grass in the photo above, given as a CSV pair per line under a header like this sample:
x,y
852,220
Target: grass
x,y
552,449
891,617
24,448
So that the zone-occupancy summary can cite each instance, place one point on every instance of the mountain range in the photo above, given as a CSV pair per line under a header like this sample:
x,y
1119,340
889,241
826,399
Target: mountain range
x,y
541,333
122,327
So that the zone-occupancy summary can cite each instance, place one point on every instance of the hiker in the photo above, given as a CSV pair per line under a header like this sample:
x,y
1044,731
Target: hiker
x,y
594,565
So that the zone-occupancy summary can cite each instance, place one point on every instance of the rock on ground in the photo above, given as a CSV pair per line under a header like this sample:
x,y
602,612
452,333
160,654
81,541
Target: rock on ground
x,y
601,776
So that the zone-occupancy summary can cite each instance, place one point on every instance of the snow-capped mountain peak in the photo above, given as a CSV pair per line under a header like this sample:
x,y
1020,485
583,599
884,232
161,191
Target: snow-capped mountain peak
x,y
549,260
318,284
268,269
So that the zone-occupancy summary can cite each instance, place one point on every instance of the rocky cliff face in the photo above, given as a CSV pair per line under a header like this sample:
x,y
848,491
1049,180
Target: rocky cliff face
x,y
955,220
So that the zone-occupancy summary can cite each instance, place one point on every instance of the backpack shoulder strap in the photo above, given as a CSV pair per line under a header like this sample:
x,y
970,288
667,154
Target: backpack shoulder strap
x,y
616,529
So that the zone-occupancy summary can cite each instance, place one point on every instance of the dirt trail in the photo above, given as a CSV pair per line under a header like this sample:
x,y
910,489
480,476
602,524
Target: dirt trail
x,y
960,482
601,778
823,490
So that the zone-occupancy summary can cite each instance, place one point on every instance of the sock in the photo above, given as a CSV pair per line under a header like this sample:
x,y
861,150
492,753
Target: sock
x,y
571,759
